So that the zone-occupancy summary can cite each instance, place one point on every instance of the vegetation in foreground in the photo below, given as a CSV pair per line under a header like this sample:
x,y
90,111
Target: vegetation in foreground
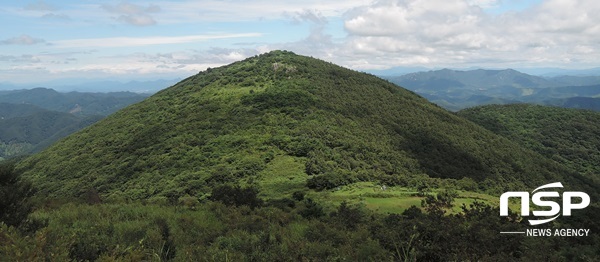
x,y
234,224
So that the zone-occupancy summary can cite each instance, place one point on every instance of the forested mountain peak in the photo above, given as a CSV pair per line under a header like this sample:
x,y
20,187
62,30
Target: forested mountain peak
x,y
282,122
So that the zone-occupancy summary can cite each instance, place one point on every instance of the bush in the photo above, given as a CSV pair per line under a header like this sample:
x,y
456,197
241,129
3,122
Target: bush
x,y
14,196
330,180
236,196
311,209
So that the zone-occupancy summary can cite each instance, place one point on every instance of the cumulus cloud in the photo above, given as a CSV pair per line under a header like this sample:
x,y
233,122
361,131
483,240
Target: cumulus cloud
x,y
451,32
133,14
22,40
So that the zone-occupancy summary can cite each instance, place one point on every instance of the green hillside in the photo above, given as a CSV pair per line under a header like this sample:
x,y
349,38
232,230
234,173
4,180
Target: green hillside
x,y
25,128
283,122
282,158
568,136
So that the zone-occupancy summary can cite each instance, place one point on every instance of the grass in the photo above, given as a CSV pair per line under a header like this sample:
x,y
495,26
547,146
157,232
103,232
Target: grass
x,y
283,176
394,199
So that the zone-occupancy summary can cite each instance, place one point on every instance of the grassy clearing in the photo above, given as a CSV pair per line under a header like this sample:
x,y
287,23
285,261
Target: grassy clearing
x,y
283,176
394,199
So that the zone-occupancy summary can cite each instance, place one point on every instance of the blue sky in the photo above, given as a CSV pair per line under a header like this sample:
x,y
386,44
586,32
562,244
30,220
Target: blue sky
x,y
43,41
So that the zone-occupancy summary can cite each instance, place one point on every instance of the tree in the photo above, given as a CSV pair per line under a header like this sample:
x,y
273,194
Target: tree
x,y
14,195
236,196
436,205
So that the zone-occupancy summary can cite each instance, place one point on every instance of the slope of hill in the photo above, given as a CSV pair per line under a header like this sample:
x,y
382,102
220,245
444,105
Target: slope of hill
x,y
26,128
568,136
282,122
73,102
18,110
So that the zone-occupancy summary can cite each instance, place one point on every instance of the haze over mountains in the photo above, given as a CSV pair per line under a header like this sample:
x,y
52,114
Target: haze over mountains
x,y
456,90
87,85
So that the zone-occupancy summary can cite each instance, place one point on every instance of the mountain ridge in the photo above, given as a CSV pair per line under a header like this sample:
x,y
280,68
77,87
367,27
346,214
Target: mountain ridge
x,y
26,128
88,103
455,90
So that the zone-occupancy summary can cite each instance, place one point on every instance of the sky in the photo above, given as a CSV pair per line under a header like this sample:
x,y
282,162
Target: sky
x,y
54,40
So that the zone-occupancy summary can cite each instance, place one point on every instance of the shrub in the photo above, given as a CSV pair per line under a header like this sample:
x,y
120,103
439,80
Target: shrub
x,y
14,196
236,196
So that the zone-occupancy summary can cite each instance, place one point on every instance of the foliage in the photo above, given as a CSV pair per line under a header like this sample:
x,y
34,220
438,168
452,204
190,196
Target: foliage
x,y
26,128
282,122
437,205
236,196
568,136
213,231
14,195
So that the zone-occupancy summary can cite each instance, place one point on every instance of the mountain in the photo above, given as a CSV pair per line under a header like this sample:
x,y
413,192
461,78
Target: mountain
x,y
568,136
283,158
92,86
72,102
580,103
479,79
18,110
455,90
26,128
283,123
568,92
558,72
395,71
32,119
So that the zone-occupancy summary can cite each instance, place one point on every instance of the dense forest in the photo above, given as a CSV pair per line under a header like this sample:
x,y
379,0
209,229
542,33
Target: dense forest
x,y
568,136
256,160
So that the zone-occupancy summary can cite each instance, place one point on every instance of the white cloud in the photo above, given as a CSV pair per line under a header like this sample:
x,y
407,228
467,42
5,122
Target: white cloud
x,y
22,40
455,32
241,10
380,34
133,14
144,41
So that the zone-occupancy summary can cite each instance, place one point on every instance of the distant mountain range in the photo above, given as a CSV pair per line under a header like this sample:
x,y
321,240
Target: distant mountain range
x,y
32,119
83,85
456,90
537,71
73,102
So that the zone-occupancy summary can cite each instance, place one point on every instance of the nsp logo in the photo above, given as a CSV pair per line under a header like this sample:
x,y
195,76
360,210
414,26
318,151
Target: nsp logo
x,y
567,203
